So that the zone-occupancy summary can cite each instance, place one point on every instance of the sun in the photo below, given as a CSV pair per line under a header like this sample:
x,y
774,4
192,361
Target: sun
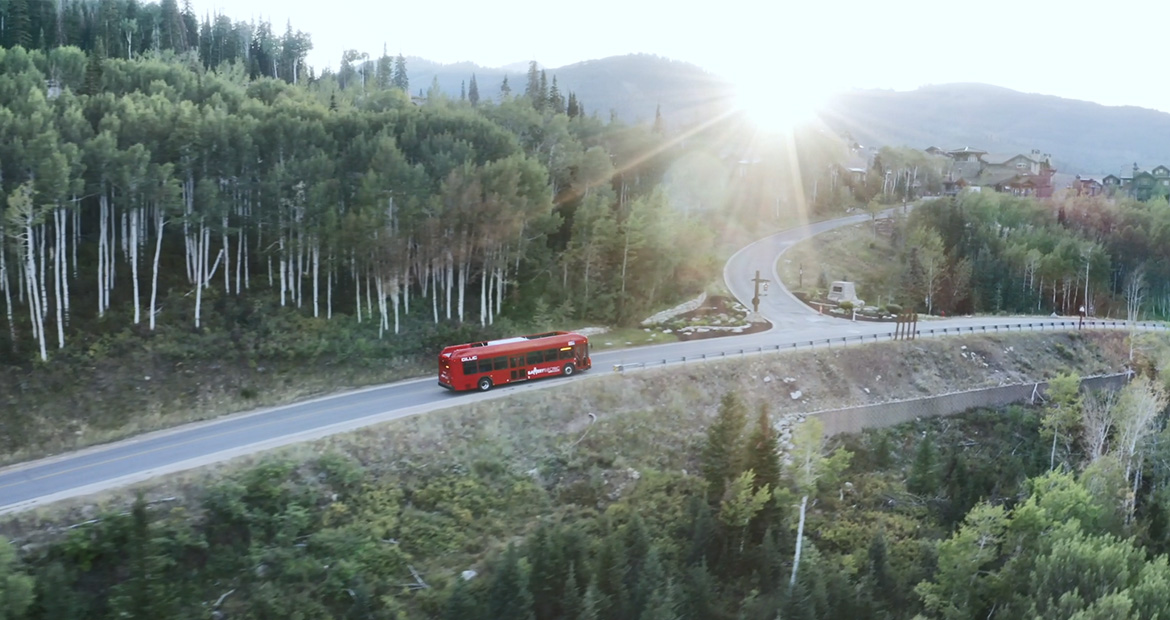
x,y
777,109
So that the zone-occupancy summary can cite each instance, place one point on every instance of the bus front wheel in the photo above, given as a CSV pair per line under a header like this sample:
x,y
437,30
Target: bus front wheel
x,y
568,370
485,384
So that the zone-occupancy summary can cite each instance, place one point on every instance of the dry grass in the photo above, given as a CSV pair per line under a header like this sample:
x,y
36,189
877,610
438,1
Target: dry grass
x,y
850,253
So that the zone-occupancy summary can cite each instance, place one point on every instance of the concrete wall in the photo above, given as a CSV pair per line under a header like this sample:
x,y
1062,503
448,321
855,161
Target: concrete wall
x,y
856,419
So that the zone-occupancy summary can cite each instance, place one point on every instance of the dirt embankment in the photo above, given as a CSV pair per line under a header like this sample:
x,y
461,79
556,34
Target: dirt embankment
x,y
654,418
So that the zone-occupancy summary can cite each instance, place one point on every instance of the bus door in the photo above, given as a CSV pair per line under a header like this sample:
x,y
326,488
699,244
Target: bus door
x,y
582,353
516,365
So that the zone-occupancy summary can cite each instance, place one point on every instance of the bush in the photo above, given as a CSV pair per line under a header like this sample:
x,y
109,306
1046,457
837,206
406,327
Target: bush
x,y
847,306
894,308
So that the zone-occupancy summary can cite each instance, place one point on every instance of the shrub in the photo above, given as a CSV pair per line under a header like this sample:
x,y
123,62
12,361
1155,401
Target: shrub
x,y
894,308
847,306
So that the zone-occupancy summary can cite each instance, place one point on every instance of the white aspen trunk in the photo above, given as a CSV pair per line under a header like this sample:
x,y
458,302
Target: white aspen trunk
x,y
435,295
283,267
135,214
60,272
124,221
499,289
357,285
103,206
241,249
63,234
198,270
247,276
381,308
484,285
463,266
449,281
316,276
36,315
227,257
7,289
394,296
44,247
300,267
405,291
369,292
159,223
799,540
76,236
329,289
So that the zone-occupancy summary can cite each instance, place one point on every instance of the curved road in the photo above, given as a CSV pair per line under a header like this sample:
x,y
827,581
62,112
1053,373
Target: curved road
x,y
102,467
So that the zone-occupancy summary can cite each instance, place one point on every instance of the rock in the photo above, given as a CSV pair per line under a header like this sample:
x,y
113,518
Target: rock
x,y
146,378
768,379
668,331
866,390
468,575
878,378
796,395
789,380
963,348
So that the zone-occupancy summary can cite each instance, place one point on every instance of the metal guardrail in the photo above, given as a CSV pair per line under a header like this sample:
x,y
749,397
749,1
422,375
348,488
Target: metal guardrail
x,y
845,340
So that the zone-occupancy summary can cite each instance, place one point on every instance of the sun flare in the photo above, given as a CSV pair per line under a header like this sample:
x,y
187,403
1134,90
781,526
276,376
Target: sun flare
x,y
777,109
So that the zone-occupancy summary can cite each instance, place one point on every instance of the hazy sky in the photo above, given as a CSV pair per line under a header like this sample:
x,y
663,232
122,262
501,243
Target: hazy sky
x,y
1108,53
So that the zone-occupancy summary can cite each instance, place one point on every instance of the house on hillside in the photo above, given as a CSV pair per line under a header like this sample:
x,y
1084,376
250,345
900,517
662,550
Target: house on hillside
x,y
1088,186
1017,174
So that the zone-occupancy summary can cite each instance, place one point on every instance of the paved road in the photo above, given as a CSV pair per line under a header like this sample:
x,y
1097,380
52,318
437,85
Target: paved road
x,y
87,471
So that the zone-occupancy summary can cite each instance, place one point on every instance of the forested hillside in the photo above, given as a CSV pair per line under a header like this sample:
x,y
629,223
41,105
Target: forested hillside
x,y
206,225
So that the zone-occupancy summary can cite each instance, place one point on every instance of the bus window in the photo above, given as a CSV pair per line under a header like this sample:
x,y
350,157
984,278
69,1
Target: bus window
x,y
535,357
567,353
517,361
499,363
485,365
468,369
550,355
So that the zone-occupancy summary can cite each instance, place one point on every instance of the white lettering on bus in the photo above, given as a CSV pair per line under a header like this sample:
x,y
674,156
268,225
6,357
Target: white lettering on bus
x,y
469,359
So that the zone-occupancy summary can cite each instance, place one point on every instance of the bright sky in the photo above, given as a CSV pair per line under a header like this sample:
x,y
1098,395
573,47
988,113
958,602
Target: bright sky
x,y
1110,54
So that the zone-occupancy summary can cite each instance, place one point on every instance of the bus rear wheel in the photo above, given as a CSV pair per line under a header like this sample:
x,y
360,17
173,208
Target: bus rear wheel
x,y
568,370
485,384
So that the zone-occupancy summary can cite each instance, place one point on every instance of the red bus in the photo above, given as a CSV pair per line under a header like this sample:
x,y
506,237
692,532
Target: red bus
x,y
481,365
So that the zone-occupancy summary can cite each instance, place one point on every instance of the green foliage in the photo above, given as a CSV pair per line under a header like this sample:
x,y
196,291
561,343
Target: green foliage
x,y
720,458
16,588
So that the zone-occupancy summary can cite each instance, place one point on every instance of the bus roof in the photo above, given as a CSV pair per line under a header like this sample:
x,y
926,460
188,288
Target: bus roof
x,y
518,340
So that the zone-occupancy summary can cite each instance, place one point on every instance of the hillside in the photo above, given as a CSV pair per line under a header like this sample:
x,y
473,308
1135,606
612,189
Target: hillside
x,y
631,86
1082,137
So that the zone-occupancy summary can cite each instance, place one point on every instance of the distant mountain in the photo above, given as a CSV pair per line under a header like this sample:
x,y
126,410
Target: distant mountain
x,y
631,86
1082,137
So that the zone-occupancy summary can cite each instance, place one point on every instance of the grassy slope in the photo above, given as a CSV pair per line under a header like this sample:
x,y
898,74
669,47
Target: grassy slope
x,y
646,421
850,253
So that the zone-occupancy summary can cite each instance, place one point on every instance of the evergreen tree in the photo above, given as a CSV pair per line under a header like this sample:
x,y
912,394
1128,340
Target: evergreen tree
x,y
762,454
573,110
610,577
93,70
462,90
401,81
923,479
556,101
505,90
16,588
509,596
473,91
572,603
462,604
719,460
592,603
541,101
657,120
18,29
532,87
384,73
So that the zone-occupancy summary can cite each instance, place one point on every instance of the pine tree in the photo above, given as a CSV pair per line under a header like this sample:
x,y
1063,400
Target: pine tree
x,y
556,101
762,452
461,605
505,90
591,603
610,577
473,92
401,81
509,596
923,478
657,120
18,30
93,70
719,460
573,110
572,603
532,87
541,101
384,73
462,90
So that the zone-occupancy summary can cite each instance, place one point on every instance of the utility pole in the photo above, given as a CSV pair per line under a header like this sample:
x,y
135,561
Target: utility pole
x,y
756,300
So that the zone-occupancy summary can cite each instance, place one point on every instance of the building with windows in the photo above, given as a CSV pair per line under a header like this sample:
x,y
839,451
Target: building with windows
x,y
1017,174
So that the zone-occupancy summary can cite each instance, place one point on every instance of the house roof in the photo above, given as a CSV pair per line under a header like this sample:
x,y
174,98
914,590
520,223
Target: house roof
x,y
995,177
1003,158
966,149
